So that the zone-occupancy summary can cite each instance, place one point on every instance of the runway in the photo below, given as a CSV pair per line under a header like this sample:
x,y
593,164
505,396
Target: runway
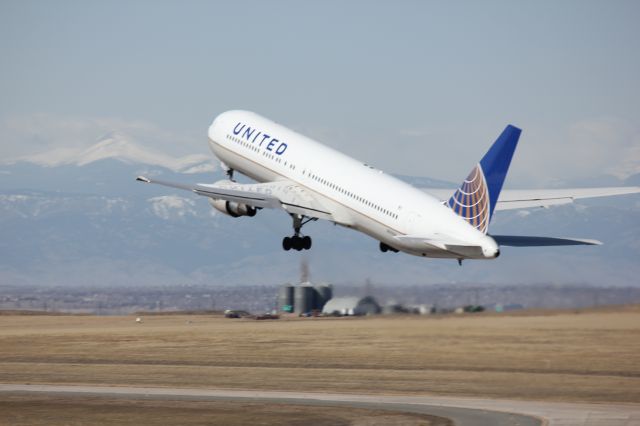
x,y
463,411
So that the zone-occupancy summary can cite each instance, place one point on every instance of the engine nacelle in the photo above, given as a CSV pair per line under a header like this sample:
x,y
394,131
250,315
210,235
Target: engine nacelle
x,y
233,209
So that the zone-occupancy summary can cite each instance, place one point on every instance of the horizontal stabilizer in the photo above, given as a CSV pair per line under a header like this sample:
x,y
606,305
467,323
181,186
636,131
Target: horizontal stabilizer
x,y
527,241
522,198
511,199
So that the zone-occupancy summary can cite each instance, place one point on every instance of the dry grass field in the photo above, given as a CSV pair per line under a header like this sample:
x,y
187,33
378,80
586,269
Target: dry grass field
x,y
46,411
591,355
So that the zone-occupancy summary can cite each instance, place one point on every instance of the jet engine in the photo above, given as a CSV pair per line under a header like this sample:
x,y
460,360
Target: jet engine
x,y
233,209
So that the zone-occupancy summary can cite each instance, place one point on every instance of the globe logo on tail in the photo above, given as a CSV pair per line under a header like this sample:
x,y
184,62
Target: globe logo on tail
x,y
471,200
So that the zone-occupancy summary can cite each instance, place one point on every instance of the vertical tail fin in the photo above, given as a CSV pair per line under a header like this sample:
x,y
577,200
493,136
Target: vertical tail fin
x,y
476,198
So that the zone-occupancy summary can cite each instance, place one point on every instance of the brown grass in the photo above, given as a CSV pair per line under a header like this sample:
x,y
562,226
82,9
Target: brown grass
x,y
38,410
584,356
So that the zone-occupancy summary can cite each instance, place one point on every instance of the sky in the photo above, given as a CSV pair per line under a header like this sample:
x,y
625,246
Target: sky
x,y
413,87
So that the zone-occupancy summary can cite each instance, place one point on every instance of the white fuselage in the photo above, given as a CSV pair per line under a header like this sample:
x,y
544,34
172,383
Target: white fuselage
x,y
358,196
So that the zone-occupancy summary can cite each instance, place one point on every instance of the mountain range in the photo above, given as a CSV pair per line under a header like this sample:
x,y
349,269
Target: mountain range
x,y
77,217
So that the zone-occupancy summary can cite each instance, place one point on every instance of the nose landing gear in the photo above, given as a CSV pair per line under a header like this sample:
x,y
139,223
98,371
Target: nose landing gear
x,y
227,170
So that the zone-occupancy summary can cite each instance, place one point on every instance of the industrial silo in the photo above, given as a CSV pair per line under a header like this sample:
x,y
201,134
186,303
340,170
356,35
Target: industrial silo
x,y
324,294
304,299
285,298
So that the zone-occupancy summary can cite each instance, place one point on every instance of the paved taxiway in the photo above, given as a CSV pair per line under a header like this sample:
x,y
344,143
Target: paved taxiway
x,y
463,411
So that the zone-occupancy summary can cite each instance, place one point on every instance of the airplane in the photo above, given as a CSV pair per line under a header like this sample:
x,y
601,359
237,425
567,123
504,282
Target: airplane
x,y
311,181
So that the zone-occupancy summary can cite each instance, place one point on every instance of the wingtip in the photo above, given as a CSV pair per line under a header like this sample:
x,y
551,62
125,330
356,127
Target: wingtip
x,y
143,179
587,242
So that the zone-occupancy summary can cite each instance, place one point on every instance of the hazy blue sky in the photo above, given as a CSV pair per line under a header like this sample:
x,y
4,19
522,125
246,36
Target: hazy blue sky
x,y
416,87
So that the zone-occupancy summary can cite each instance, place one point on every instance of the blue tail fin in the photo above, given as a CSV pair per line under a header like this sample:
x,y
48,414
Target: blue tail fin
x,y
476,198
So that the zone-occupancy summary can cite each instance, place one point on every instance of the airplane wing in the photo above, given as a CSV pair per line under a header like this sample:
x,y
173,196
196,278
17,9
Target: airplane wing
x,y
528,198
283,194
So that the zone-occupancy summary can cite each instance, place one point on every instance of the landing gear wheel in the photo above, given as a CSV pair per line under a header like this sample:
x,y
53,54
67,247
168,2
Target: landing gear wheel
x,y
286,243
306,243
296,242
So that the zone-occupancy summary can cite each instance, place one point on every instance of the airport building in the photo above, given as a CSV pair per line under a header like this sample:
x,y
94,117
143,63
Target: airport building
x,y
345,306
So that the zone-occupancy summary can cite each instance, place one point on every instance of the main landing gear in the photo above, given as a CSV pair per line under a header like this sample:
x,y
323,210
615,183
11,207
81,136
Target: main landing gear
x,y
385,248
297,242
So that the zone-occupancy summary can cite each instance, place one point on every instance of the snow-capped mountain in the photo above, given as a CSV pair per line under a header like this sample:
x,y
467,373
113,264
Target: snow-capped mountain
x,y
118,146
